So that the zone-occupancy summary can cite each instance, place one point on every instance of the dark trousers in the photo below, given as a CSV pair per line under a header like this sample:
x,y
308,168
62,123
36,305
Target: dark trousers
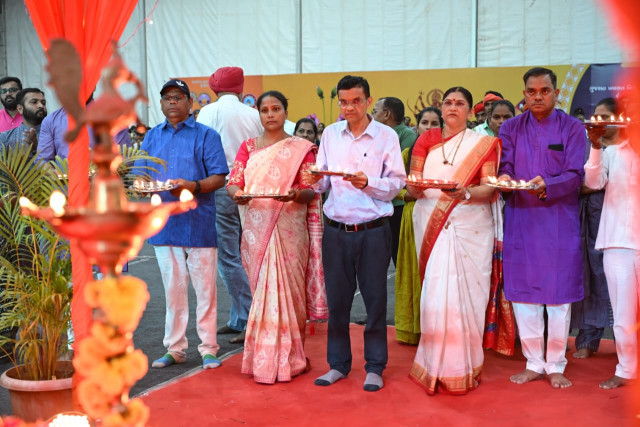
x,y
589,337
395,221
362,255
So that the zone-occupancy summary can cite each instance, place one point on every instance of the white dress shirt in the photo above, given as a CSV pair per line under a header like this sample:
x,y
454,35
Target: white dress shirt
x,y
616,169
234,121
376,153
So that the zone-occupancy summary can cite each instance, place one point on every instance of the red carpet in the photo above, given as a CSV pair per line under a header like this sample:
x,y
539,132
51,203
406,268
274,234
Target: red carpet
x,y
223,396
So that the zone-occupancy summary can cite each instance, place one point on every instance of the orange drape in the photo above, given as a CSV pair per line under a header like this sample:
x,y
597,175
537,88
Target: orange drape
x,y
623,20
90,25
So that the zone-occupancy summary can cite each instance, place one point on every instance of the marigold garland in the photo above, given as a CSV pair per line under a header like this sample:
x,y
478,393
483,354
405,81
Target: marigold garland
x,y
107,359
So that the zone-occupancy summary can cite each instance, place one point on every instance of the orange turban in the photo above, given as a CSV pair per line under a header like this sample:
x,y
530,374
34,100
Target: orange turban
x,y
491,98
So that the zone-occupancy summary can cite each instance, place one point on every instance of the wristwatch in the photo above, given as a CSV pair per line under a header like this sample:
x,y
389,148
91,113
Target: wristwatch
x,y
197,189
467,194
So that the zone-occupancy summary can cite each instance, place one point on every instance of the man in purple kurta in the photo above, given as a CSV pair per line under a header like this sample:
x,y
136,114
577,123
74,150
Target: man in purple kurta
x,y
51,142
541,255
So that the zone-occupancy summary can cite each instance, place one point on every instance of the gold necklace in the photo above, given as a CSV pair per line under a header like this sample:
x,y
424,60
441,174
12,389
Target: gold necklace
x,y
446,161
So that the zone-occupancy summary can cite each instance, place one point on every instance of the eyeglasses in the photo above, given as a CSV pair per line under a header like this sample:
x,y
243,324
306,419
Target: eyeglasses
x,y
448,103
358,102
9,90
176,98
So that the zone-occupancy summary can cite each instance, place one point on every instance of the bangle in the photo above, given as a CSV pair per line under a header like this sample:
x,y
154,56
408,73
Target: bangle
x,y
197,189
366,184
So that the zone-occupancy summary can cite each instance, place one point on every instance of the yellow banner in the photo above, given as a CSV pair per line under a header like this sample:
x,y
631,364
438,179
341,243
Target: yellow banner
x,y
417,89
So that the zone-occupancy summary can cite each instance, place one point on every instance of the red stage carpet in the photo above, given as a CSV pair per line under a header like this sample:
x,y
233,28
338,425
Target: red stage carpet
x,y
223,396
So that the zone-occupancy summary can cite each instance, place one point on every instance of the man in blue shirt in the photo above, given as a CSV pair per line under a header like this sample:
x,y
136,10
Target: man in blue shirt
x,y
356,243
186,247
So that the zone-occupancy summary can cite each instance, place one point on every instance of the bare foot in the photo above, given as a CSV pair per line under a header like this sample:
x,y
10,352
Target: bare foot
x,y
583,353
526,376
558,380
614,382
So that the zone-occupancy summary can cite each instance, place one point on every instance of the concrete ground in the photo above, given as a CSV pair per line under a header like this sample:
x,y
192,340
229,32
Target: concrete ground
x,y
149,334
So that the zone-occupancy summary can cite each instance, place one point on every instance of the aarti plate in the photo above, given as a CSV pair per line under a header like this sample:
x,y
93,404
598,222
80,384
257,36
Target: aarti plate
x,y
513,185
154,189
260,196
331,173
432,183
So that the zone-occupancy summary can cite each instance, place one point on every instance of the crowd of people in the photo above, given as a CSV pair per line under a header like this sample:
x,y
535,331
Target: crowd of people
x,y
476,264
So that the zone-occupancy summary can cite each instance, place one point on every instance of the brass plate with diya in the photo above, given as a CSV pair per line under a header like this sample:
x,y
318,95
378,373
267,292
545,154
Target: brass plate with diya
x,y
608,122
344,174
512,185
439,184
149,187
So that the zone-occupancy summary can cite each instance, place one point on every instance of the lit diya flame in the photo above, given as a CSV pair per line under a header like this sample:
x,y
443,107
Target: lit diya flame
x,y
493,179
70,420
57,202
185,196
523,183
156,200
27,204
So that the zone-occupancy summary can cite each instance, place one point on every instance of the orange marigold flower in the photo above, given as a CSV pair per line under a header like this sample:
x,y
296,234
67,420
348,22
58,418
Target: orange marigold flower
x,y
89,355
94,401
137,413
132,366
109,378
111,342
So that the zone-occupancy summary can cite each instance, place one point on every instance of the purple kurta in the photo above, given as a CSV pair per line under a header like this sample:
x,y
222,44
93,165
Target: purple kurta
x,y
51,142
542,260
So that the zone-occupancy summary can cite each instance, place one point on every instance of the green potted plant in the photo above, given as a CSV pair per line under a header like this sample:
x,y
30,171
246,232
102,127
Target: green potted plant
x,y
35,284
35,290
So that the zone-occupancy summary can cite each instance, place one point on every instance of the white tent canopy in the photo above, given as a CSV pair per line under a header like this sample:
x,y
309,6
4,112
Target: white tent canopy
x,y
194,37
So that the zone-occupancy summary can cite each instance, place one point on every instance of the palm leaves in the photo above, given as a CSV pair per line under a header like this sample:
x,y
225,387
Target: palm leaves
x,y
35,268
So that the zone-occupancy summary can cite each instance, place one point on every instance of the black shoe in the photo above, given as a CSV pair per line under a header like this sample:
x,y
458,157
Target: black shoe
x,y
238,339
226,330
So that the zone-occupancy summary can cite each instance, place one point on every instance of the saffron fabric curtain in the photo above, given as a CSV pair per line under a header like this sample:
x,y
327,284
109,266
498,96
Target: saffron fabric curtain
x,y
90,25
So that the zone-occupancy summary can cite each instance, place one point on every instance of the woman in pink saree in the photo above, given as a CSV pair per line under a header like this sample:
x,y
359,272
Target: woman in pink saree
x,y
280,245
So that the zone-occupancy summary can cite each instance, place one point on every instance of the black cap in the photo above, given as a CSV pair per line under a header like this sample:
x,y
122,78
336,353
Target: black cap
x,y
176,83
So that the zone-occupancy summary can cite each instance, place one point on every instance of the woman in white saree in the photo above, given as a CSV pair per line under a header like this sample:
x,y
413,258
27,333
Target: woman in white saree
x,y
454,233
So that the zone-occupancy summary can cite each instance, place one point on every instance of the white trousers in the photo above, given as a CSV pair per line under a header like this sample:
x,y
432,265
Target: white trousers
x,y
177,265
530,319
622,269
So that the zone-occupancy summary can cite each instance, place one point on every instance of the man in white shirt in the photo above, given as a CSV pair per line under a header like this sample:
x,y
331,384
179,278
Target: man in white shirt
x,y
235,122
612,169
356,243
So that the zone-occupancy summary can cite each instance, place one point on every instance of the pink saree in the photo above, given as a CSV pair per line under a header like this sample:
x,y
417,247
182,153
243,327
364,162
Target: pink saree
x,y
276,249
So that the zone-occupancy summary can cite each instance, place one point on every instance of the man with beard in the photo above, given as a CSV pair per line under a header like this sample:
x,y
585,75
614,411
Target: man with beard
x,y
9,116
33,108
